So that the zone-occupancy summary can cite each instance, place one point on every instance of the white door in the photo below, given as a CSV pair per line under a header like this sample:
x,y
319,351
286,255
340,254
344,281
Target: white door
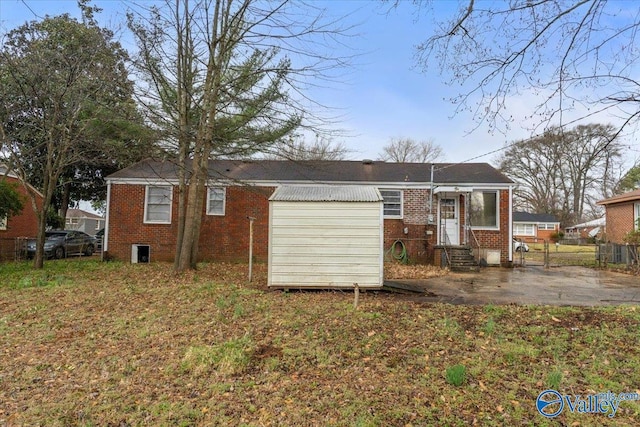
x,y
449,225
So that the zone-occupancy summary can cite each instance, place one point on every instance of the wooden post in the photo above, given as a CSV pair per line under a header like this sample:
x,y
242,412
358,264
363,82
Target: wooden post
x,y
251,219
546,254
356,295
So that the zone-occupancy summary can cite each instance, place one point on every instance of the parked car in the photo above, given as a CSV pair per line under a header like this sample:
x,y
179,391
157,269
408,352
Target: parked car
x,y
519,246
99,236
63,243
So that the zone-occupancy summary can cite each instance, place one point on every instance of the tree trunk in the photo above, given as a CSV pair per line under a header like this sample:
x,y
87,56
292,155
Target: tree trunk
x,y
64,203
193,216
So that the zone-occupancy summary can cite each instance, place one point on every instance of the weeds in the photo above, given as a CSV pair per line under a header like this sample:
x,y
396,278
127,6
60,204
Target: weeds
x,y
455,375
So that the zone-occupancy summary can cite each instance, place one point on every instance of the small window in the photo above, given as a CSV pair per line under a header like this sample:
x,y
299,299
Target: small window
x,y
216,201
98,225
3,223
157,207
484,209
392,200
636,216
546,227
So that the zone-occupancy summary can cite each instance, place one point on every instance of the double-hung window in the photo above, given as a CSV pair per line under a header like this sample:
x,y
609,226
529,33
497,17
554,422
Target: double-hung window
x,y
524,230
216,200
392,201
157,208
636,216
484,209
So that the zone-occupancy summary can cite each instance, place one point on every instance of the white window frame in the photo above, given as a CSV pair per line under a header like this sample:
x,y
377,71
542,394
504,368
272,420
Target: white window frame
x,y
224,201
3,223
401,195
485,227
636,216
146,204
528,228
546,226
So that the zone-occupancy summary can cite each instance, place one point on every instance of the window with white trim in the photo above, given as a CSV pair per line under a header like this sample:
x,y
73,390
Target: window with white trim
x,y
216,197
546,226
392,203
157,207
3,223
636,216
524,229
484,209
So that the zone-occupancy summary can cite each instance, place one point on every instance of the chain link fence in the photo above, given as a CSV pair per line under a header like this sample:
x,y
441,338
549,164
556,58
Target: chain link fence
x,y
13,249
555,254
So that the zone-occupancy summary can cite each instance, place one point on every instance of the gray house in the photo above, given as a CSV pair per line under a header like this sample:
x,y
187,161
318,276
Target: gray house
x,y
80,220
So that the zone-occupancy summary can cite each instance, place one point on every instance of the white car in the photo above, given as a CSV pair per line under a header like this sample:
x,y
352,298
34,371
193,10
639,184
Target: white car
x,y
519,246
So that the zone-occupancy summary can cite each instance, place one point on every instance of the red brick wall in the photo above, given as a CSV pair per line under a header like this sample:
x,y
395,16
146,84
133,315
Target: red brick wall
x,y
619,221
227,237
221,237
24,224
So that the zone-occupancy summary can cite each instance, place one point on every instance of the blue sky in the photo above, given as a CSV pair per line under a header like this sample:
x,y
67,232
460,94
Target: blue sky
x,y
382,96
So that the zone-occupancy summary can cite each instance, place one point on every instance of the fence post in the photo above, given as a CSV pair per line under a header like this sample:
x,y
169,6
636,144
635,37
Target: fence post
x,y
546,254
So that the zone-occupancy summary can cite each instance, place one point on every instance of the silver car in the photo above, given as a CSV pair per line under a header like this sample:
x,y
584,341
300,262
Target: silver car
x,y
63,243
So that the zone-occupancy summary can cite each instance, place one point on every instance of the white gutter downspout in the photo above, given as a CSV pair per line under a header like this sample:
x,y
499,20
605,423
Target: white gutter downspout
x,y
510,223
105,238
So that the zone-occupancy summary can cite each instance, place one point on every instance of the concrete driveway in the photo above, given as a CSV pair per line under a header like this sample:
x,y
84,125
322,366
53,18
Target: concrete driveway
x,y
578,286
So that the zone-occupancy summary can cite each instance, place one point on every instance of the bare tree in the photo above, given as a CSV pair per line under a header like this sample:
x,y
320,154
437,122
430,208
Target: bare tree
x,y
564,172
298,149
576,55
407,150
227,78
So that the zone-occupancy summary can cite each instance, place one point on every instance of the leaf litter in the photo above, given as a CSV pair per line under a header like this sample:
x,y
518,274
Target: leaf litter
x,y
119,344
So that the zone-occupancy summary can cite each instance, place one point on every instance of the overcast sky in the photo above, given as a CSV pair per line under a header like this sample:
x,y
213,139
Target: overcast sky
x,y
382,96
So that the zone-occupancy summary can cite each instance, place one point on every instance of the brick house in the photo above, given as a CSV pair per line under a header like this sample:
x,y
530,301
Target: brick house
x,y
26,223
15,229
428,207
622,214
532,227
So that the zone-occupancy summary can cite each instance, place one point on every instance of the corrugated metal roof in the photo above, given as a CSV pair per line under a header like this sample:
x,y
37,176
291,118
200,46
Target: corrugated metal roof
x,y
326,193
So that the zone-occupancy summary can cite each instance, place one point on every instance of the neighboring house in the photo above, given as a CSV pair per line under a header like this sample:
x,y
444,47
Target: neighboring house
x,y
80,220
533,227
428,208
622,213
24,224
595,228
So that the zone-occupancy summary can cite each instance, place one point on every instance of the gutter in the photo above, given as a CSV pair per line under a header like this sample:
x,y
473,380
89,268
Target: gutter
x,y
105,238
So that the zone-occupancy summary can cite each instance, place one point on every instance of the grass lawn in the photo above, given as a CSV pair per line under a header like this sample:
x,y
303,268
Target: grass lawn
x,y
89,343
